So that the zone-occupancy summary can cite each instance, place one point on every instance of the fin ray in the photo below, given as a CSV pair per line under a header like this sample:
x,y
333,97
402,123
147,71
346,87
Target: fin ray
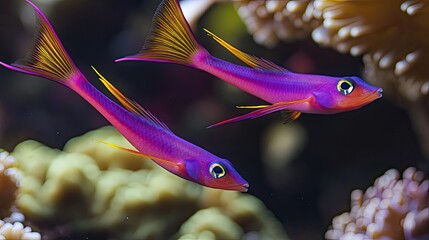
x,y
264,111
135,152
252,61
47,58
170,38
129,104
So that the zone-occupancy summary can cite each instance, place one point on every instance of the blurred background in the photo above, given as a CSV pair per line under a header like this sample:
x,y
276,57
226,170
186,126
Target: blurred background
x,y
304,172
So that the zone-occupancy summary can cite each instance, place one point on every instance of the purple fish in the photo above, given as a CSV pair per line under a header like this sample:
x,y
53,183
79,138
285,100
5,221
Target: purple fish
x,y
171,40
151,137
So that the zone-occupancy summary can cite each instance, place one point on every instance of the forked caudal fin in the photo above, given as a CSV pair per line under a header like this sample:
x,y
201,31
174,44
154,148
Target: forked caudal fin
x,y
170,38
47,58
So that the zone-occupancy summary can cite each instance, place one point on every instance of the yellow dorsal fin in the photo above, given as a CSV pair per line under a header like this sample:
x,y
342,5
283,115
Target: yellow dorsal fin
x,y
250,60
131,105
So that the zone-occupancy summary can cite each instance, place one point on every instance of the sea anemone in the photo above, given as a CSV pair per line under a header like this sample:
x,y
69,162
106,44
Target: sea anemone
x,y
270,20
393,208
91,189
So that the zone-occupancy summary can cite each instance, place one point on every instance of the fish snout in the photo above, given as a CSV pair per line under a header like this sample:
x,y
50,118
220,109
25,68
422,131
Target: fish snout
x,y
244,187
379,92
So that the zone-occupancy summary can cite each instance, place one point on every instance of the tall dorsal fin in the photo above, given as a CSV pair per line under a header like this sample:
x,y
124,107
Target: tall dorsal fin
x,y
252,61
129,104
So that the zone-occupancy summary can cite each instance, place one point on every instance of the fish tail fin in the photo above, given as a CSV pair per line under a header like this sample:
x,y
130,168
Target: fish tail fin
x,y
170,38
47,58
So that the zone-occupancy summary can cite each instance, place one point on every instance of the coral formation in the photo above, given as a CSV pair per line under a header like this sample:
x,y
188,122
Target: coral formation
x,y
13,231
8,183
93,189
392,34
11,227
393,208
270,20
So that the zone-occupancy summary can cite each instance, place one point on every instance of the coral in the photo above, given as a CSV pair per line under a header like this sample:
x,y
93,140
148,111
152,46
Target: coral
x,y
91,189
8,183
270,20
393,208
392,34
12,228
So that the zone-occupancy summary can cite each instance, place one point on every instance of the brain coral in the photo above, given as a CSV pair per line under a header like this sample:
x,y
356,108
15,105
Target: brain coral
x,y
91,189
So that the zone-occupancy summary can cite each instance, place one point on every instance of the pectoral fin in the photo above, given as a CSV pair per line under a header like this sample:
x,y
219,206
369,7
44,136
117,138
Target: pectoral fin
x,y
324,99
264,110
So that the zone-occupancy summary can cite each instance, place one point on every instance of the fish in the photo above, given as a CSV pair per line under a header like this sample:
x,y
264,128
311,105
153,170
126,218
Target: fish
x,y
150,137
170,39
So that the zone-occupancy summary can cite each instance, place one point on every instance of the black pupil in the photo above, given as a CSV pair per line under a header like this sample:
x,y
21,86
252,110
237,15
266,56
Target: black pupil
x,y
345,85
218,170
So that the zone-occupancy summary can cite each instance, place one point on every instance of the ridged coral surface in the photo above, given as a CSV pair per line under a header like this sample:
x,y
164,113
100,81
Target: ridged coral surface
x,y
392,33
270,20
394,208
8,183
93,189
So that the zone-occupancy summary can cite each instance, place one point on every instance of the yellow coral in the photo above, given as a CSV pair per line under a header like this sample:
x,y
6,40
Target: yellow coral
x,y
93,188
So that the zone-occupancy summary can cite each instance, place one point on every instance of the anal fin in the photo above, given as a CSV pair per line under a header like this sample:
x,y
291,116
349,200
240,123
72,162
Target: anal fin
x,y
262,110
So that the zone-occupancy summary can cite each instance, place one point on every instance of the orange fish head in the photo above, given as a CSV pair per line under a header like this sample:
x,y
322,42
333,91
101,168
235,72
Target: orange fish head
x,y
347,93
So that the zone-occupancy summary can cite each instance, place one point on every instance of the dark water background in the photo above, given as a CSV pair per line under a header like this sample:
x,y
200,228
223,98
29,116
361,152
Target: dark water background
x,y
342,152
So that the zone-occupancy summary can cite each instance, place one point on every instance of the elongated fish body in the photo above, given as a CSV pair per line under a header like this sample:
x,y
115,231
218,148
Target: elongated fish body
x,y
269,86
151,137
171,40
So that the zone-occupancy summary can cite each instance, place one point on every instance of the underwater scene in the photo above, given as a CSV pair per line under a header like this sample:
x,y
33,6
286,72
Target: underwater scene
x,y
214,119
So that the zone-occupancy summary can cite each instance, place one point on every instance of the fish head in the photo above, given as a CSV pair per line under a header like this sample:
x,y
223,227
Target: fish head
x,y
347,93
216,173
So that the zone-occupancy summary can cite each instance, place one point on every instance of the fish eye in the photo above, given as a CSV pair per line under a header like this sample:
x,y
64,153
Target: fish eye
x,y
345,87
217,170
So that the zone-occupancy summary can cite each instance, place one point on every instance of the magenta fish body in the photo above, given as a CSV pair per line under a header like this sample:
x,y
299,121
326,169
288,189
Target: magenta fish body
x,y
324,93
171,40
151,137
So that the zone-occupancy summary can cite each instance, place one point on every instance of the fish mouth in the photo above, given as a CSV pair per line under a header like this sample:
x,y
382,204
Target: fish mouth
x,y
241,187
376,94
379,92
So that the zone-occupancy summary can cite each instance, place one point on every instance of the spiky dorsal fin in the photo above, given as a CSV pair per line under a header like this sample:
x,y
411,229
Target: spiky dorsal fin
x,y
131,105
252,61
